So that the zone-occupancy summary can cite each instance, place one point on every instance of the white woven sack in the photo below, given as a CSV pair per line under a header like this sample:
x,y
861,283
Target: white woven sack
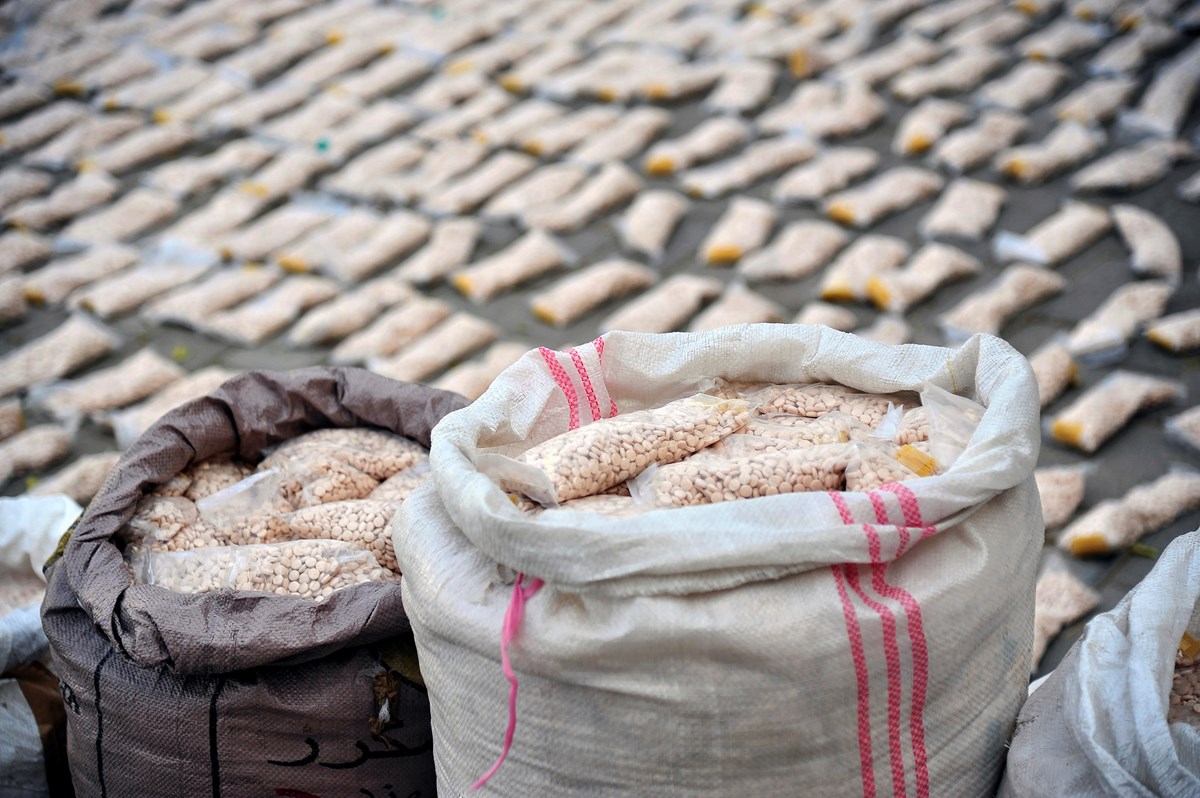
x,y
820,644
1097,727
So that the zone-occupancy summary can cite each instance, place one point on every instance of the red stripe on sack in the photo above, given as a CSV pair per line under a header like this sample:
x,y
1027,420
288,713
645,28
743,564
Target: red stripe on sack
x,y
910,507
593,403
881,516
564,383
866,761
599,344
916,636
842,508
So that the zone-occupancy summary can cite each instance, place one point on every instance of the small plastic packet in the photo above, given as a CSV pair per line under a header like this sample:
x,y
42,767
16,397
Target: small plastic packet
x,y
1184,428
966,148
847,277
966,209
82,138
887,328
531,256
398,233
736,305
361,177
364,522
998,28
269,56
1153,246
1057,238
18,183
325,243
309,569
560,134
1108,329
277,229
458,120
41,125
666,306
1025,86
213,221
799,250
819,111
492,55
961,70
830,171
74,343
192,305
1062,39
883,63
1018,287
1096,101
132,380
1114,524
871,465
648,222
52,283
575,295
124,220
209,477
1132,168
935,20
288,172
1179,332
391,331
1054,369
17,98
802,431
612,185
131,422
399,486
744,227
1165,102
466,192
140,147
255,321
349,312
521,119
166,523
1059,599
213,93
12,299
818,399
530,71
454,338
329,62
1105,408
128,290
833,316
34,449
1067,145
155,89
12,418
708,139
19,249
745,86
625,138
924,125
893,191
760,159
443,91
1061,490
81,480
1189,190
609,451
386,75
312,120
67,201
1127,54
933,266
186,176
542,187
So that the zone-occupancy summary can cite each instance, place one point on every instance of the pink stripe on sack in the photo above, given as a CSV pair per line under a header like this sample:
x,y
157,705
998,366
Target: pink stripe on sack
x,y
599,344
593,403
910,507
508,632
866,761
564,383
916,636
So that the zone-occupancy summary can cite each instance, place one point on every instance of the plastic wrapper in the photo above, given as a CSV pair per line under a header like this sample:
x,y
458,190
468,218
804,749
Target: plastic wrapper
x,y
614,184
736,305
326,243
820,110
1107,330
330,62
255,107
443,162
458,120
810,56
129,64
156,89
1018,287
66,201
709,139
665,307
1062,39
349,312
1130,52
125,219
1165,102
616,74
214,41
130,423
18,183
607,452
1133,168
59,68
529,257
574,296
449,247
833,316
891,192
12,299
187,176
19,249
760,159
745,86
140,147
197,103
472,378
209,477
1061,489
364,522
966,209
193,305
265,568
556,136
213,220
939,18
82,138
1073,228
1059,599
531,70
492,55
1054,369
522,119
847,277
391,331
1179,332
456,337
648,223
81,480
359,177
269,56
998,28
466,193
274,230
960,71
933,266
69,346
1189,190
1027,85
400,485
926,124
1096,101
1067,145
628,136
17,98
52,283
799,250
795,431
817,399
1116,523
399,232
127,290
1154,248
285,174
132,380
1105,408
743,228
1183,429
884,62
443,91
40,125
12,418
34,449
260,318
830,171
970,146
373,452
386,75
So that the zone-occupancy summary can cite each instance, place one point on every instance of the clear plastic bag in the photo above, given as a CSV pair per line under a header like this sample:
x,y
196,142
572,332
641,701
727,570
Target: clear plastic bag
x,y
1060,598
125,219
613,185
1061,39
924,125
823,110
399,486
1067,145
962,70
1154,248
817,399
541,187
1114,524
831,170
1184,428
128,424
648,223
891,192
631,134
1054,369
132,380
391,331
799,250
1096,101
454,338
736,305
1061,489
350,312
142,146
966,148
1179,332
966,209
74,343
81,480
869,256
709,139
1106,331
666,306
12,299
450,246
759,160
34,449
933,266
531,256
1132,168
1028,84
128,290
1018,287
575,295
374,452
1105,408
833,316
